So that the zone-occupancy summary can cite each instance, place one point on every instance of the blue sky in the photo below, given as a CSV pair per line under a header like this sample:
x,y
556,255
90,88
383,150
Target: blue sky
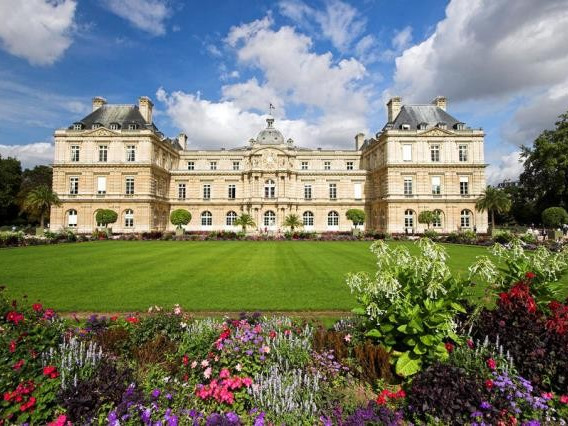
x,y
329,66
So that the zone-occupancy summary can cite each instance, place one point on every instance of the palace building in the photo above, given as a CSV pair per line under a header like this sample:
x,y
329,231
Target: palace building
x,y
116,158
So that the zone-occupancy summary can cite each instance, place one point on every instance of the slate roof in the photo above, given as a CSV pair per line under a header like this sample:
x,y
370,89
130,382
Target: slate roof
x,y
413,115
121,114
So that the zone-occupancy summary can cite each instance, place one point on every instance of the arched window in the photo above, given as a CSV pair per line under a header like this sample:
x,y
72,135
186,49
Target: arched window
x,y
333,219
231,217
269,218
206,219
269,189
438,218
128,218
465,219
308,218
72,218
408,219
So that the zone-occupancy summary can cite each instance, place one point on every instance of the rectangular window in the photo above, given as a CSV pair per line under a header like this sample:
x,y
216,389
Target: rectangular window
x,y
435,153
349,165
103,153
190,165
436,185
130,152
232,192
212,165
236,165
358,191
407,152
206,192
462,152
333,191
327,165
307,192
181,191
74,153
464,185
129,186
304,165
407,186
74,185
101,184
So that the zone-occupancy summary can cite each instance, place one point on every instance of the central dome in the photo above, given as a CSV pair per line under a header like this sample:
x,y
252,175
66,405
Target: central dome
x,y
270,135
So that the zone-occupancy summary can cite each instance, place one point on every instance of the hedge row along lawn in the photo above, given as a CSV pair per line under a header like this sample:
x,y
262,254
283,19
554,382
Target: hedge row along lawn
x,y
122,276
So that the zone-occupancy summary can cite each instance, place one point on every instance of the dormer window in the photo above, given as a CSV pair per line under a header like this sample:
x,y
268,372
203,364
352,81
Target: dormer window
x,y
77,126
405,126
441,125
96,125
132,126
459,126
114,126
422,126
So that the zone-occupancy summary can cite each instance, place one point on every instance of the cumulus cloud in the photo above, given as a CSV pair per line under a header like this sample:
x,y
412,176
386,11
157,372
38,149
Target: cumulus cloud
x,y
30,155
508,167
488,48
291,74
146,15
37,30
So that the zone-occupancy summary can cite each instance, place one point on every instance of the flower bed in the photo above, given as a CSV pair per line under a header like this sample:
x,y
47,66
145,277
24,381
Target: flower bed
x,y
403,360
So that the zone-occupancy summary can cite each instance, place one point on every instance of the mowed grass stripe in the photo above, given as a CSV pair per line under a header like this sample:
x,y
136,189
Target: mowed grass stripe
x,y
109,276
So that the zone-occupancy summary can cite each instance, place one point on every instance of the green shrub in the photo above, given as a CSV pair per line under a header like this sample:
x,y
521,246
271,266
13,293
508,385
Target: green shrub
x,y
430,233
106,216
180,217
554,217
410,303
503,237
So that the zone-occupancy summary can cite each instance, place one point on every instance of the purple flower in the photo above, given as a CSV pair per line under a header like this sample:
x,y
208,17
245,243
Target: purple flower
x,y
156,393
485,405
169,396
232,417
146,414
113,418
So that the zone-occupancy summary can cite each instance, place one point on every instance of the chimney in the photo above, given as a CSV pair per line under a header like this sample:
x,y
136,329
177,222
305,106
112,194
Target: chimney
x,y
393,108
145,105
440,102
182,139
359,140
98,102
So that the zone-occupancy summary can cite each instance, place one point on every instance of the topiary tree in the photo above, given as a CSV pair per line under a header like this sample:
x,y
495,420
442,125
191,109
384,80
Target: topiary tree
x,y
428,217
293,221
180,217
554,217
357,216
106,217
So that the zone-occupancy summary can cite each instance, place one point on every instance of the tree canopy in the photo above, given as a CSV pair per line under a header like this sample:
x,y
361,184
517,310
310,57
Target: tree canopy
x,y
357,216
428,217
180,217
10,181
493,200
106,216
39,200
554,217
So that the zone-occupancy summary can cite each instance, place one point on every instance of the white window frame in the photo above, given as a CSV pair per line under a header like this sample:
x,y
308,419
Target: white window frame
x,y
129,186
407,185
103,153
466,218
407,152
232,191
333,191
191,165
73,185
114,126
304,165
409,219
464,185
75,153
101,185
206,219
72,218
130,153
436,183
269,189
435,153
230,218
206,191
308,219
327,165
463,153
437,223
349,165
129,218
182,191
236,165
213,165
333,219
269,219
77,126
307,192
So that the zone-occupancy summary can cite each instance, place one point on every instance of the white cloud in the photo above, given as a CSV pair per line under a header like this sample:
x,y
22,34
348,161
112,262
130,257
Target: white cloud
x,y
402,38
146,15
488,49
509,167
251,95
30,155
37,30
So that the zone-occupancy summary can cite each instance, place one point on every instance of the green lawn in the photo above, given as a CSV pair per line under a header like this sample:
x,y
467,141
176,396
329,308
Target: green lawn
x,y
111,276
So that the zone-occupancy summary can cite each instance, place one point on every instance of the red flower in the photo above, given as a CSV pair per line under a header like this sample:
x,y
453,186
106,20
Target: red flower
x,y
48,314
400,394
27,405
491,363
50,371
18,365
132,320
469,343
489,383
530,275
114,318
564,399
381,399
531,306
185,360
272,334
14,317
449,347
12,346
37,307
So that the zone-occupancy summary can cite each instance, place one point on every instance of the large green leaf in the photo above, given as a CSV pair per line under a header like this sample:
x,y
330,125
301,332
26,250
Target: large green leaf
x,y
373,333
427,339
407,365
385,328
402,328
458,307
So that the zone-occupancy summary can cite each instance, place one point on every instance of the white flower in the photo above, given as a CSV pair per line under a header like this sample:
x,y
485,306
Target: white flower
x,y
204,363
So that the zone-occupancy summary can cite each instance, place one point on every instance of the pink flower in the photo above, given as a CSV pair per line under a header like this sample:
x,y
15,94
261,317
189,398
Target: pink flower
x,y
564,399
207,372
60,421
491,363
547,395
247,381
204,363
265,349
194,364
469,343
347,338
37,307
224,374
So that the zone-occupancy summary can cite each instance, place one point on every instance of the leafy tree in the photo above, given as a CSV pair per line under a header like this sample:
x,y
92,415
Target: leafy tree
x,y
106,217
493,200
38,202
357,216
180,217
428,217
10,181
293,221
554,217
245,220
545,175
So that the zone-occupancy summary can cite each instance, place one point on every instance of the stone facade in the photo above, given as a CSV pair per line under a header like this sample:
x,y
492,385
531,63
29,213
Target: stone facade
x,y
116,158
